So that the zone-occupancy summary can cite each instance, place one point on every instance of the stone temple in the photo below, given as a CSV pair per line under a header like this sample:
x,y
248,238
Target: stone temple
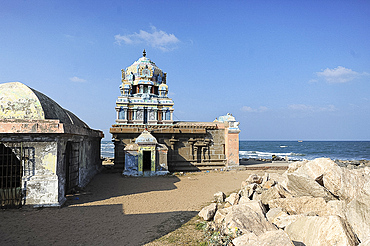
x,y
149,142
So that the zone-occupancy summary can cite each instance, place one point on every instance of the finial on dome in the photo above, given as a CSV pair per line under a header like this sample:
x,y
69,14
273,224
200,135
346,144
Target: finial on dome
x,y
144,53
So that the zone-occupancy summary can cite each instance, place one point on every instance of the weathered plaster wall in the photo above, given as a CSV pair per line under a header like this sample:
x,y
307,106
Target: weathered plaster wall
x,y
88,158
218,144
44,164
40,180
162,151
131,160
232,149
90,163
61,170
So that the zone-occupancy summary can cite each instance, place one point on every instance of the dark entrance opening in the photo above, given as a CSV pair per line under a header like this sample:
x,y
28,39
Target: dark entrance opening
x,y
72,166
147,160
199,155
10,179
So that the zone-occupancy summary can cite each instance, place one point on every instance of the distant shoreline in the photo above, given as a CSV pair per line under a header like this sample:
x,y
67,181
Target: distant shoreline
x,y
293,150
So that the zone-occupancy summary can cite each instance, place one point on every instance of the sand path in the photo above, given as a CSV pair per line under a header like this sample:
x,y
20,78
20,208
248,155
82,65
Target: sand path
x,y
114,210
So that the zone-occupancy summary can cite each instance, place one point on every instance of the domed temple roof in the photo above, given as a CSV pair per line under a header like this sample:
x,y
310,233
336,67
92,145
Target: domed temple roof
x,y
143,70
20,102
226,118
146,138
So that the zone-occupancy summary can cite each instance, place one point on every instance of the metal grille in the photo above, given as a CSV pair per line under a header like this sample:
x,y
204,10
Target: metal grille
x,y
10,178
72,165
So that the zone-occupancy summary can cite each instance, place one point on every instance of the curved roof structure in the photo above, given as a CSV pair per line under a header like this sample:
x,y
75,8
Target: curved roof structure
x,y
143,71
226,118
146,138
20,102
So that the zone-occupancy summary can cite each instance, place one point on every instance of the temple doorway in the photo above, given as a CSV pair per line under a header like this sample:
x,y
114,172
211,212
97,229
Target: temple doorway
x,y
199,155
72,166
147,160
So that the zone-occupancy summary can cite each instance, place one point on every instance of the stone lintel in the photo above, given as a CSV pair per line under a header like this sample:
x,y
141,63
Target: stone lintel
x,y
155,129
31,126
45,126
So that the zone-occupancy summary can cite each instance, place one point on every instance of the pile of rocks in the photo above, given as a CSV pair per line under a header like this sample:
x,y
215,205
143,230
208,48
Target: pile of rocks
x,y
313,203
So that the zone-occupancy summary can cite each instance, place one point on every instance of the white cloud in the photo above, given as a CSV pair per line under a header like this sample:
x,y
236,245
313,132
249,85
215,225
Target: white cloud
x,y
156,38
77,79
338,75
254,110
310,108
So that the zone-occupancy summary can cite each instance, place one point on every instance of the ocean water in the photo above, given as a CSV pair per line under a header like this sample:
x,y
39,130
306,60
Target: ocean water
x,y
305,150
107,149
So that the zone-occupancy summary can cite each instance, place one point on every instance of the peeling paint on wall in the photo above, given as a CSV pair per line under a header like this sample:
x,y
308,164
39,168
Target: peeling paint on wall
x,y
49,162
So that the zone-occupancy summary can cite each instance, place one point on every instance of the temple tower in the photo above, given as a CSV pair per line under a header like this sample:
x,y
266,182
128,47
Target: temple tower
x,y
145,112
144,95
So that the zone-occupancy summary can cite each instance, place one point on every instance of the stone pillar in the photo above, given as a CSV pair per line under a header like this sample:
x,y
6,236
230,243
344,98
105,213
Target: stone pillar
x,y
232,145
126,113
134,116
173,147
231,139
191,143
119,159
117,113
160,116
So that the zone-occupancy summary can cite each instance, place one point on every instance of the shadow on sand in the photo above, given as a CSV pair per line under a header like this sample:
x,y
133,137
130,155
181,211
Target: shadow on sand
x,y
110,183
95,224
86,225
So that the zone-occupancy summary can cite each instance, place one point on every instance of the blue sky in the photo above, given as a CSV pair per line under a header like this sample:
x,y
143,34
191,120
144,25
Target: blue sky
x,y
287,70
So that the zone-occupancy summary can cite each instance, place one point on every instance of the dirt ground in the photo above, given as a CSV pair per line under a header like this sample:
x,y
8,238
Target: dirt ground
x,y
116,210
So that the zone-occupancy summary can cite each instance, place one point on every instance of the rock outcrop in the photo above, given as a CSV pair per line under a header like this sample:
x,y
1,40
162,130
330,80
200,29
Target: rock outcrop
x,y
207,213
269,238
321,231
313,203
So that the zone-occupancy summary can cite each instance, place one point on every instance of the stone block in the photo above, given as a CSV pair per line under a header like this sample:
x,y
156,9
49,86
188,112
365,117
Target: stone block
x,y
273,238
245,219
208,212
219,196
321,231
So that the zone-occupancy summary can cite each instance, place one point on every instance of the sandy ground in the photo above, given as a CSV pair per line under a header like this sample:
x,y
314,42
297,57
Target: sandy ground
x,y
116,210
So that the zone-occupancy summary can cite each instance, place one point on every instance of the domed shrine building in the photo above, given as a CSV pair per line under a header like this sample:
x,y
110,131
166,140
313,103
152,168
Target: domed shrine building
x,y
149,142
45,150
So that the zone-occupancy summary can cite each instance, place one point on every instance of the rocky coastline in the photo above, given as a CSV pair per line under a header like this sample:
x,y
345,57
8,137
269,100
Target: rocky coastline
x,y
318,202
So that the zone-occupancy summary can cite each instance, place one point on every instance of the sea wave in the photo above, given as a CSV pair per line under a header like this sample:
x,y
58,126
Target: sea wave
x,y
268,155
107,149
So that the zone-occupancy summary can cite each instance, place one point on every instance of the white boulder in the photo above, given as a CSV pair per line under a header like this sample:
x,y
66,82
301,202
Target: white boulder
x,y
321,231
208,212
